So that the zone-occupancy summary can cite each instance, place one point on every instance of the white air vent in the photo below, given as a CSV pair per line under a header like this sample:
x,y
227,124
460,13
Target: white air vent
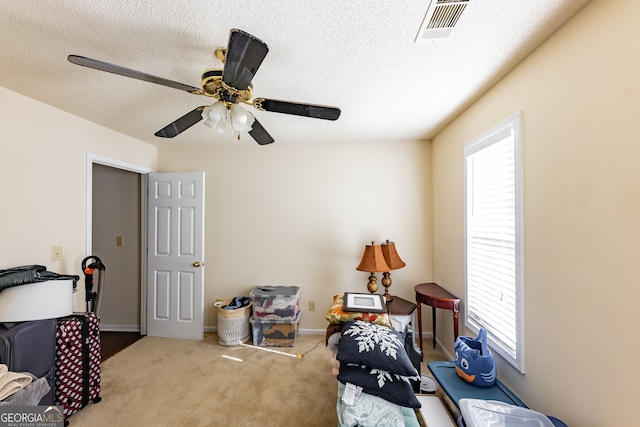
x,y
440,19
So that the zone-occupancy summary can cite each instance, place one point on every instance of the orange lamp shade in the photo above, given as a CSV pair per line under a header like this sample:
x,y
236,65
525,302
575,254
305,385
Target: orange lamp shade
x,y
391,257
373,259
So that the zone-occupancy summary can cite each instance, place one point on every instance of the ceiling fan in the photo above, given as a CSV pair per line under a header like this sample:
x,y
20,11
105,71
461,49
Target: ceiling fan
x,y
230,86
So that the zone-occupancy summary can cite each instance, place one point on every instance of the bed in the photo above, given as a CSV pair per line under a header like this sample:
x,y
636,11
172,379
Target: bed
x,y
377,369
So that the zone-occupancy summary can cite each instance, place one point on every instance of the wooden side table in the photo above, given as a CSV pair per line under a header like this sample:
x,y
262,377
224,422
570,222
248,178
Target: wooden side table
x,y
401,312
436,297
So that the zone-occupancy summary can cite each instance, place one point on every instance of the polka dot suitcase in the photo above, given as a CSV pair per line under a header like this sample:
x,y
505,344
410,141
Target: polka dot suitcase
x,y
77,362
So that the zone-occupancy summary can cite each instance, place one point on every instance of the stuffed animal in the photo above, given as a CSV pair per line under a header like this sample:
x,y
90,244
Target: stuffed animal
x,y
474,362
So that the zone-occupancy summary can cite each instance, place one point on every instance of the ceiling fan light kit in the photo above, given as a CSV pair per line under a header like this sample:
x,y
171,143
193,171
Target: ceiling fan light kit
x,y
230,86
215,116
218,115
241,119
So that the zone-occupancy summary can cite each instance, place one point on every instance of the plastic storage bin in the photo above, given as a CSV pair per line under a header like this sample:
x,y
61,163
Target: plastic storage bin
x,y
275,303
478,413
275,333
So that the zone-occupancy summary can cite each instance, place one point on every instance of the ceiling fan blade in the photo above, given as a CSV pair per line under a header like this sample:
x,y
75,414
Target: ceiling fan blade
x,y
245,53
297,109
127,72
260,134
182,124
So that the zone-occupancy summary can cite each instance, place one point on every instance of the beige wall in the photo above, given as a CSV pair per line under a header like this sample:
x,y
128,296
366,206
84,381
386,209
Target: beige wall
x,y
579,94
43,171
302,214
291,215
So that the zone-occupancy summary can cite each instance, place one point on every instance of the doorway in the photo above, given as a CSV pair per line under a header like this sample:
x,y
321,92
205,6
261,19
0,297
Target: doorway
x,y
117,223
116,241
116,230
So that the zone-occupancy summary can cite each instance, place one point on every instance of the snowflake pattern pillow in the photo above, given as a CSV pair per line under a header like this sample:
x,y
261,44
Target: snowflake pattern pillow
x,y
374,346
390,387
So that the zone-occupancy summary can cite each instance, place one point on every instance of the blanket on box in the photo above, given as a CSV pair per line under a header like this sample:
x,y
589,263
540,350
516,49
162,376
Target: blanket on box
x,y
11,382
31,274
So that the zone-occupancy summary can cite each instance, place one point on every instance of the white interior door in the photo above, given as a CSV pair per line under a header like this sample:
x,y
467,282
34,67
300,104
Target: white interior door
x,y
175,276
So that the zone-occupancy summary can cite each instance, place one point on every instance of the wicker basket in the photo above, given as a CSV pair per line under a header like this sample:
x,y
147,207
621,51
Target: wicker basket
x,y
233,325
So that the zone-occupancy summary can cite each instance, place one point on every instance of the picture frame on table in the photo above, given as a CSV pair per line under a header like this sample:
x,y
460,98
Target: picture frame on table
x,y
368,303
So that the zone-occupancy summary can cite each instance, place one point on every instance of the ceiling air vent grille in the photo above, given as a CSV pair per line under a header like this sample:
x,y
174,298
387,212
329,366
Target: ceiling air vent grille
x,y
441,18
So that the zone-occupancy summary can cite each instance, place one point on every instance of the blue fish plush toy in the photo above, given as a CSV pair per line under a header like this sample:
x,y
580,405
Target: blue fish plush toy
x,y
474,361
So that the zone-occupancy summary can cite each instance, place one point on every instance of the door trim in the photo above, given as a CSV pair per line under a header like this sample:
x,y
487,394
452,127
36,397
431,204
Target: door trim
x,y
143,171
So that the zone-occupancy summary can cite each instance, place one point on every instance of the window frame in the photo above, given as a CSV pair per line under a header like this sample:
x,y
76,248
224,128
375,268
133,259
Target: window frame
x,y
510,127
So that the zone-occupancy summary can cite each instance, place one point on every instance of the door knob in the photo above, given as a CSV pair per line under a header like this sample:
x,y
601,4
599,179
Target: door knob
x,y
197,264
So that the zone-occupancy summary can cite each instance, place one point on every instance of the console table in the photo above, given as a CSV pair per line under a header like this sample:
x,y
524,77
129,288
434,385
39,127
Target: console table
x,y
436,297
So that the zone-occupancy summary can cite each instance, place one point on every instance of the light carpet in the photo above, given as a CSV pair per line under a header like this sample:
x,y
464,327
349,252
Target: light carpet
x,y
171,382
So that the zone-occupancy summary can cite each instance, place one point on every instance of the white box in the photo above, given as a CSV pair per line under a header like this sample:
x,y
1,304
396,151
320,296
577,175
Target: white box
x,y
35,301
433,411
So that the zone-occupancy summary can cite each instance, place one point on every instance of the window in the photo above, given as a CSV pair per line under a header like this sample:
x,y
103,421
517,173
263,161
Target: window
x,y
493,238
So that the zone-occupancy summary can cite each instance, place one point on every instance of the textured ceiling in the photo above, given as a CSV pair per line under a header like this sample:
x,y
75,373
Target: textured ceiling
x,y
358,55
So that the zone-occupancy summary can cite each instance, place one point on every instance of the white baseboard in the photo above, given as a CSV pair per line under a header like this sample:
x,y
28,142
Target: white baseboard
x,y
312,331
300,331
438,345
305,331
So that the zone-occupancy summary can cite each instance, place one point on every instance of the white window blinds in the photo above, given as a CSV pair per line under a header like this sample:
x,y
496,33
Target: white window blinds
x,y
493,238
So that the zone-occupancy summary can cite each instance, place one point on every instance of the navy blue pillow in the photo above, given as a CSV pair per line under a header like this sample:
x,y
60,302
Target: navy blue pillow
x,y
391,387
375,346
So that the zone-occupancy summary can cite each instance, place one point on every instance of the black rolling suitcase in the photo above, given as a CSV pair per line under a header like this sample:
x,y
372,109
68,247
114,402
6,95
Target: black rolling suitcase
x,y
31,347
78,362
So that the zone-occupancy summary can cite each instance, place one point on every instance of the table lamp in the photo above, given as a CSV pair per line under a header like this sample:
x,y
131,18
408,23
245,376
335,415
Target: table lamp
x,y
373,262
393,261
